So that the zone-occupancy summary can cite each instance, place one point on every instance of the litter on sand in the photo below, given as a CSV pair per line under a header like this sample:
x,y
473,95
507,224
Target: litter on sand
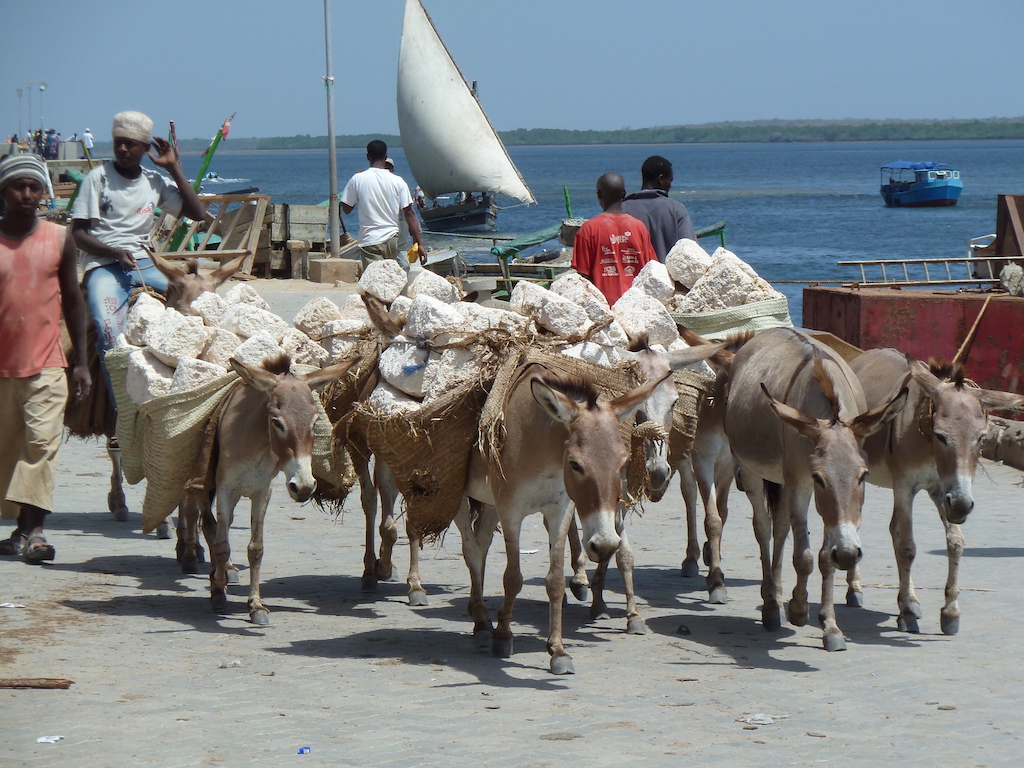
x,y
49,739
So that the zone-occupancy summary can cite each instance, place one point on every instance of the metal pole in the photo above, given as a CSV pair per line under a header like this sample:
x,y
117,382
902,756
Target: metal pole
x,y
332,150
20,124
42,87
30,84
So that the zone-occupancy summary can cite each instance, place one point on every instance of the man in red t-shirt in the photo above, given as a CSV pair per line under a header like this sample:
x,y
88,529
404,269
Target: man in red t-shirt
x,y
610,249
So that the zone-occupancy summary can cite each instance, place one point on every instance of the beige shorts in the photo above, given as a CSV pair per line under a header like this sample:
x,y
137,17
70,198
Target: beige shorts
x,y
380,251
31,422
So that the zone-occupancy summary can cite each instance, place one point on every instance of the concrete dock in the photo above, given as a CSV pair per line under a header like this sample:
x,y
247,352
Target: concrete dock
x,y
360,678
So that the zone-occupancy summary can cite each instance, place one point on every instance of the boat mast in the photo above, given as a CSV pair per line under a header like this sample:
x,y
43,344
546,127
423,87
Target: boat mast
x,y
332,150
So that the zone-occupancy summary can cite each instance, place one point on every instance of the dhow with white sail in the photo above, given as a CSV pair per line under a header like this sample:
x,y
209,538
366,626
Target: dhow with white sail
x,y
449,143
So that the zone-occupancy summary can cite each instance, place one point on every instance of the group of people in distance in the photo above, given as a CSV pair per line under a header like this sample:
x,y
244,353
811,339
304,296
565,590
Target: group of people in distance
x,y
110,226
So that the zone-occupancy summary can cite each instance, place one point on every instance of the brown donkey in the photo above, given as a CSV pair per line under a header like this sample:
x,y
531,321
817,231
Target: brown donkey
x,y
932,446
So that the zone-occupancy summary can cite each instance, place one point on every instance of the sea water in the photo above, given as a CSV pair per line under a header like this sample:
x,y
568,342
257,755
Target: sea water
x,y
792,211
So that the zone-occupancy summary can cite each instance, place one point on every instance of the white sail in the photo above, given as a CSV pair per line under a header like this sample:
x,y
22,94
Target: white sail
x,y
448,141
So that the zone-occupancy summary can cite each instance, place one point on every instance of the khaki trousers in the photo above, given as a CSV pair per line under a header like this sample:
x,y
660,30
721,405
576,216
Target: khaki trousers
x,y
380,251
31,425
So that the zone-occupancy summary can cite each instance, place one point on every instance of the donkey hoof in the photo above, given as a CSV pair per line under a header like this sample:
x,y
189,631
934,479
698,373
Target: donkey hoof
x,y
368,582
718,596
795,618
599,612
907,622
260,616
855,599
562,665
190,567
690,569
232,575
834,642
771,618
501,647
163,531
117,508
580,591
418,598
483,639
636,626
950,624
914,609
218,601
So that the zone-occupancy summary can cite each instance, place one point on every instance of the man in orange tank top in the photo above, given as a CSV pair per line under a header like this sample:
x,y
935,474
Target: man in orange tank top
x,y
38,279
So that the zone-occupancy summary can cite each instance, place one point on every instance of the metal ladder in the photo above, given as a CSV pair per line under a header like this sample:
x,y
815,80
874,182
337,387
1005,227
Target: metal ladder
x,y
969,270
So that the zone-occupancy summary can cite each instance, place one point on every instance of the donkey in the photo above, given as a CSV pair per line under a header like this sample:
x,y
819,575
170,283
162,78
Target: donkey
x,y
806,442
932,445
657,409
250,452
561,447
184,285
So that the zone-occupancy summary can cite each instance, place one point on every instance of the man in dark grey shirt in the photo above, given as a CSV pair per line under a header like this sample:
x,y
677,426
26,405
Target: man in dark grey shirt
x,y
667,220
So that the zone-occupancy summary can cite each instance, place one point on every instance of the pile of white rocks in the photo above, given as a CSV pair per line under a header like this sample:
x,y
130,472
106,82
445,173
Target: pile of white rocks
x,y
713,282
174,352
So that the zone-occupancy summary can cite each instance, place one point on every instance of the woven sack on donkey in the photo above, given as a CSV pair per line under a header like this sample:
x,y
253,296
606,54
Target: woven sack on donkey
x,y
428,451
693,388
611,382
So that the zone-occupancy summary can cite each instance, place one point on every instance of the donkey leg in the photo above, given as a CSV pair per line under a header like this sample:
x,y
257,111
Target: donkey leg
x,y
116,502
598,607
793,506
635,624
387,486
832,638
187,546
901,529
417,594
220,548
561,661
578,584
949,617
512,582
476,523
258,612
368,500
688,488
771,605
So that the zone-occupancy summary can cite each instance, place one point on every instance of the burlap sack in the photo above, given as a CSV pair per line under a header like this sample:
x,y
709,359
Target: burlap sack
x,y
693,387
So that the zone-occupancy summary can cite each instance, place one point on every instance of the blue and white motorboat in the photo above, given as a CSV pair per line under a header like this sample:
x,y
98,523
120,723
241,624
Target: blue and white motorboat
x,y
916,185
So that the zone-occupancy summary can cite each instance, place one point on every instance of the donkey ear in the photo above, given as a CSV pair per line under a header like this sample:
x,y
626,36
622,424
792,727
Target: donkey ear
x,y
325,376
170,271
224,271
554,402
684,358
927,380
254,377
871,421
626,406
808,426
994,400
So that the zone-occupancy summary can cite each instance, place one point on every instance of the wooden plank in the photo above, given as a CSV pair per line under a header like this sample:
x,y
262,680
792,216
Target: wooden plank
x,y
279,222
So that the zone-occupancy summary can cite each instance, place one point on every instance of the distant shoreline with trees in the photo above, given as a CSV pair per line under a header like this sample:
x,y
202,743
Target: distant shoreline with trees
x,y
749,132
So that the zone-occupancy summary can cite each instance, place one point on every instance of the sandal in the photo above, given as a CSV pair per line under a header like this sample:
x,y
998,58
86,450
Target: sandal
x,y
14,545
37,549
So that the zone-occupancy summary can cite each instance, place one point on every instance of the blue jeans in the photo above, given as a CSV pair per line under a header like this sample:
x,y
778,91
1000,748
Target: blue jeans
x,y
107,289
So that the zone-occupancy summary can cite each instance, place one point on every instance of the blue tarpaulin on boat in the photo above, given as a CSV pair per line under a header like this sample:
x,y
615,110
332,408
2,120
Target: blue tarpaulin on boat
x,y
907,166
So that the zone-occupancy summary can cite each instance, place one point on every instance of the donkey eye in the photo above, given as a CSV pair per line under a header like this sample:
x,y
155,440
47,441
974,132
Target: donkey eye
x,y
942,438
279,424
818,479
863,477
576,467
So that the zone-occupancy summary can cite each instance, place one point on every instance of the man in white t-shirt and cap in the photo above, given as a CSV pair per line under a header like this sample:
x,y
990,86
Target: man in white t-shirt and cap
x,y
382,196
87,140
112,218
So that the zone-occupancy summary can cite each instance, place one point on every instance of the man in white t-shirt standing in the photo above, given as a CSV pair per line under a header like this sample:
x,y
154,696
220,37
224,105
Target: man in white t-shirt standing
x,y
383,197
87,141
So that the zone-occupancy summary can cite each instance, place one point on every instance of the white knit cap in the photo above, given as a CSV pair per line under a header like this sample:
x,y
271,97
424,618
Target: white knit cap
x,y
133,125
22,167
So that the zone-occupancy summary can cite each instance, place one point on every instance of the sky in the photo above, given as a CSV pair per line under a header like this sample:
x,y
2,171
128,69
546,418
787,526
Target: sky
x,y
577,64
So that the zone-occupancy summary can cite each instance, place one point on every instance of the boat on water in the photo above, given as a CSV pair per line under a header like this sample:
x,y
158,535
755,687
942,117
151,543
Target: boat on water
x,y
918,185
449,143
